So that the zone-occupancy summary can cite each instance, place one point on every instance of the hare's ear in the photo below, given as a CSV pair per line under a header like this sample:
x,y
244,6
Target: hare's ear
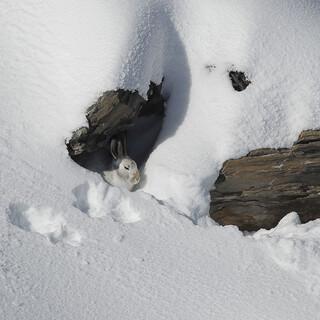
x,y
118,146
120,149
124,144
114,148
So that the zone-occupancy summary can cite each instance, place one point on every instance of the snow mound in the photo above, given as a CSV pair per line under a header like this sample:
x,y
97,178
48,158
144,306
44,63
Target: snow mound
x,y
295,247
45,222
208,121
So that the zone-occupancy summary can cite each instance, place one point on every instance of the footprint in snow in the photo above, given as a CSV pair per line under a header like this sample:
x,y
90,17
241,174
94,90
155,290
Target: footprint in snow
x,y
44,221
98,200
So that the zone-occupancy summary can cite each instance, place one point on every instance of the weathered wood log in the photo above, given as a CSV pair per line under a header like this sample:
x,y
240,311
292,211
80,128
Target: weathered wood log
x,y
257,190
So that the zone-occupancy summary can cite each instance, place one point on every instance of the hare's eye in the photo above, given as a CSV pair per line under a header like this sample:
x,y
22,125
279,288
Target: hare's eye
x,y
126,167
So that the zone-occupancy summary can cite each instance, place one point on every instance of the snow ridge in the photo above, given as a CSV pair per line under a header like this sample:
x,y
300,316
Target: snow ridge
x,y
296,247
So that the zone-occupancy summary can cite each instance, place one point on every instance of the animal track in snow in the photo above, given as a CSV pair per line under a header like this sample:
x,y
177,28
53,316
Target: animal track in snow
x,y
45,221
98,199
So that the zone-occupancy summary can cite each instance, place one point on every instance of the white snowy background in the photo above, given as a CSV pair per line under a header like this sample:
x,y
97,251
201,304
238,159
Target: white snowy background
x,y
72,247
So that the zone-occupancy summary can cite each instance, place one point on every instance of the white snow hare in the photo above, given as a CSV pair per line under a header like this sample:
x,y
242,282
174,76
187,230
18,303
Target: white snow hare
x,y
124,172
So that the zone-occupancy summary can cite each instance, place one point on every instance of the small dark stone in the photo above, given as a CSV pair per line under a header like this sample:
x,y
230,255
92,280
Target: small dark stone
x,y
239,80
257,190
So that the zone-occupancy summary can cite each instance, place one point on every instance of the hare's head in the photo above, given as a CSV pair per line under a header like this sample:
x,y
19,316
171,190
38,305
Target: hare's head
x,y
128,169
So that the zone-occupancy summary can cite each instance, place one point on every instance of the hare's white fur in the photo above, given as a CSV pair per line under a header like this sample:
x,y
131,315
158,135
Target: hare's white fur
x,y
125,174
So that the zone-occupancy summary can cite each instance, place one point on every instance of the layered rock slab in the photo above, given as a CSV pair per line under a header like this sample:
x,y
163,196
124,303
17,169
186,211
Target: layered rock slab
x,y
257,190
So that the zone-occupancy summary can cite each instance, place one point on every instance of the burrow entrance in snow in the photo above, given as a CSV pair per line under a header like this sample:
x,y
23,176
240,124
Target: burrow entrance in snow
x,y
161,52
119,112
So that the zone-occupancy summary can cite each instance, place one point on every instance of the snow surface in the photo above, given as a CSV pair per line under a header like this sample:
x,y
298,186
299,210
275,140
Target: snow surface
x,y
104,253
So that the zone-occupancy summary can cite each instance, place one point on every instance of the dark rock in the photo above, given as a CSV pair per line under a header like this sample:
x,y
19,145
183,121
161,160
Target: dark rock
x,y
239,80
257,190
115,112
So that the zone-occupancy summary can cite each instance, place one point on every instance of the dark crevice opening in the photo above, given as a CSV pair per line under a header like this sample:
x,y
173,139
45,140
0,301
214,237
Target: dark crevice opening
x,y
119,112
